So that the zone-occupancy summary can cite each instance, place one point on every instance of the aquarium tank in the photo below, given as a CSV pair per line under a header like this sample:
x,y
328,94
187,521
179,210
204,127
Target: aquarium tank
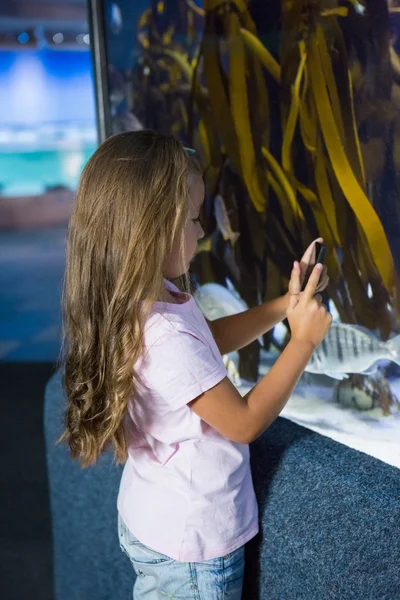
x,y
46,135
293,110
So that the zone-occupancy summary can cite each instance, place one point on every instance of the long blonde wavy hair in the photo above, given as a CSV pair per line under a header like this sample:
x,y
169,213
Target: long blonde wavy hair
x,y
131,204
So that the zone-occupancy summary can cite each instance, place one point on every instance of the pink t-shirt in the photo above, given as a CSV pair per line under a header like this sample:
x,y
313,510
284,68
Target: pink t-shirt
x,y
186,491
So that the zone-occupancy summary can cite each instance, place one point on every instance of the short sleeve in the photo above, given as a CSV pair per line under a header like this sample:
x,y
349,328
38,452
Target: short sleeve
x,y
179,366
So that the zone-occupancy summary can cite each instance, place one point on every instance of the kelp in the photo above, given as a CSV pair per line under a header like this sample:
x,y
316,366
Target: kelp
x,y
335,154
289,137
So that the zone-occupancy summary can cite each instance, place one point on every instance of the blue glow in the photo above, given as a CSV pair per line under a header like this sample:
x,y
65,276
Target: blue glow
x,y
23,38
43,85
47,119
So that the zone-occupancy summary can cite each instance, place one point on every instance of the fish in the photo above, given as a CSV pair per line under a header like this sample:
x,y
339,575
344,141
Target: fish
x,y
115,19
351,349
232,370
231,263
216,301
358,7
366,393
204,245
223,221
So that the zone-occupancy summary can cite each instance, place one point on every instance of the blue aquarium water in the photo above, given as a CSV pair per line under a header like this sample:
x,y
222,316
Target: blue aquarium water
x,y
31,172
47,118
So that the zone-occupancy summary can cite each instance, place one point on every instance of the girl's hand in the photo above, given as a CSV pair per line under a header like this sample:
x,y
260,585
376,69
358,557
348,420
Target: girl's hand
x,y
308,318
307,262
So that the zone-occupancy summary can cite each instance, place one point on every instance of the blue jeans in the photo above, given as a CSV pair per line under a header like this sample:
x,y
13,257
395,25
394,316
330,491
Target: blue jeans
x,y
159,577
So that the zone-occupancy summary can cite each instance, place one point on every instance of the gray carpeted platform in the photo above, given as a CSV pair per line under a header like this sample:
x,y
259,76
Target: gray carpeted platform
x,y
330,520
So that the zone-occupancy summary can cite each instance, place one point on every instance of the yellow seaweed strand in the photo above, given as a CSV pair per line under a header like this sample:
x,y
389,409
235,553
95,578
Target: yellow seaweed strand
x,y
355,130
326,65
290,127
352,190
218,100
283,200
343,109
340,11
196,9
202,130
211,5
283,182
206,129
181,61
260,51
293,113
308,124
240,111
325,194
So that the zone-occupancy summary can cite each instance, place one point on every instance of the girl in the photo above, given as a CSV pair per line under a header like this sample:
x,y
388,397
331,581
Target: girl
x,y
144,373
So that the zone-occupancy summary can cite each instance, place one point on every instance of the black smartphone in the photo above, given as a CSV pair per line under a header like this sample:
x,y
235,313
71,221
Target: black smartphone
x,y
320,253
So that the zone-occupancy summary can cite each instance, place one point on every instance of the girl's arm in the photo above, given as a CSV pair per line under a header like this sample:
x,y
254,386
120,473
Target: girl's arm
x,y
243,419
237,331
